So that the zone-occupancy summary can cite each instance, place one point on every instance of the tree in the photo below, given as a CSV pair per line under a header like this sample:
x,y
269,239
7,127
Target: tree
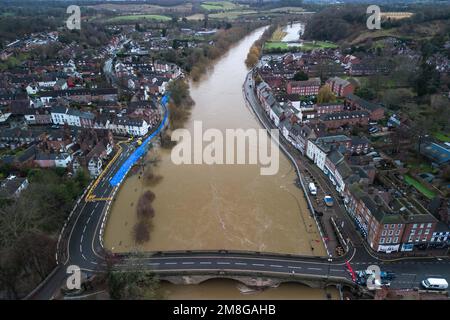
x,y
132,285
141,232
325,95
301,76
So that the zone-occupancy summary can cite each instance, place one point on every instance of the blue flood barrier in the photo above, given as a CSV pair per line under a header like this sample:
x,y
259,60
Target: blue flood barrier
x,y
136,155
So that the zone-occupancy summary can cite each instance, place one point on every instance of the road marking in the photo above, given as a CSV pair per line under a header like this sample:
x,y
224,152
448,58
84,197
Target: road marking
x,y
81,238
170,263
154,264
258,265
81,249
83,256
337,270
187,263
314,268
205,262
292,267
84,229
276,266
240,263
223,263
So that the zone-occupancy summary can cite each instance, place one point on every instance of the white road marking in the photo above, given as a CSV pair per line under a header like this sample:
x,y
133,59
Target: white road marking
x,y
292,267
170,263
81,249
187,263
154,264
337,270
240,263
314,269
205,262
223,263
276,266
258,265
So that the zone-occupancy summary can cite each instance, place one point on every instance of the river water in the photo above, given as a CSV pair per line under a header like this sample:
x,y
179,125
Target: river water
x,y
218,206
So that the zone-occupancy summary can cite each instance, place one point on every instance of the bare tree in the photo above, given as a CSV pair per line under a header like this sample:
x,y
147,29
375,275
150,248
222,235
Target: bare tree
x,y
141,232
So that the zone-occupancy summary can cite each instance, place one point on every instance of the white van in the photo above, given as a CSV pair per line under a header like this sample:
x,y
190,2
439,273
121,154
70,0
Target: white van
x,y
435,284
312,188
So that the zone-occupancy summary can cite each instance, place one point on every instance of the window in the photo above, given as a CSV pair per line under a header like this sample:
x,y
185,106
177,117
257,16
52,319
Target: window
x,y
396,240
424,239
399,226
381,240
427,231
389,240
392,226
391,232
386,226
413,232
420,232
429,225
397,232
422,225
415,225
384,233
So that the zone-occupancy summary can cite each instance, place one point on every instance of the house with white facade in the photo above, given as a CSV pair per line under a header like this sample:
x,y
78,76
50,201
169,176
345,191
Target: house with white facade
x,y
317,153
129,126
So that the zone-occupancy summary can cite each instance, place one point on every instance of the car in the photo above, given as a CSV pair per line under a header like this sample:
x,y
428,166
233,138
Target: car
x,y
435,284
312,188
328,201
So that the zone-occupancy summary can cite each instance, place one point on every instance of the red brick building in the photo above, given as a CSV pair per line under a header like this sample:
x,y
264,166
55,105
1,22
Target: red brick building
x,y
339,119
376,111
340,87
304,88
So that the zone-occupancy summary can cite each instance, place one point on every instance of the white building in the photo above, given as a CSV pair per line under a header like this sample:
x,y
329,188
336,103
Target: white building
x,y
95,167
316,154
63,160
130,127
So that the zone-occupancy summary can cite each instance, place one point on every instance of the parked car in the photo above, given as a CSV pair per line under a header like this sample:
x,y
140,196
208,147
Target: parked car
x,y
435,284
328,201
312,188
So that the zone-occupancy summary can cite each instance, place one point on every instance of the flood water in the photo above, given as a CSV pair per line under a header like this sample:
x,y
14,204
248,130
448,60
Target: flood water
x,y
224,289
294,32
219,206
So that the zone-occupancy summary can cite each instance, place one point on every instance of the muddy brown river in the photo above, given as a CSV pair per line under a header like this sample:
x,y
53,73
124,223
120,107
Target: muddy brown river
x,y
219,206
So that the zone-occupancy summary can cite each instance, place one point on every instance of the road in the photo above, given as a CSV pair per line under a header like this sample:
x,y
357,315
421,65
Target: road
x,y
84,247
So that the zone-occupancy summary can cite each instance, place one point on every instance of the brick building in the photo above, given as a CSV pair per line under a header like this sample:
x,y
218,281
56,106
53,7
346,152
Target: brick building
x,y
304,88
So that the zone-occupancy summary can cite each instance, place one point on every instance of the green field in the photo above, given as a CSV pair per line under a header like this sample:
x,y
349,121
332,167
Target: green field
x,y
420,187
275,45
307,46
138,17
231,15
220,5
441,136
318,45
